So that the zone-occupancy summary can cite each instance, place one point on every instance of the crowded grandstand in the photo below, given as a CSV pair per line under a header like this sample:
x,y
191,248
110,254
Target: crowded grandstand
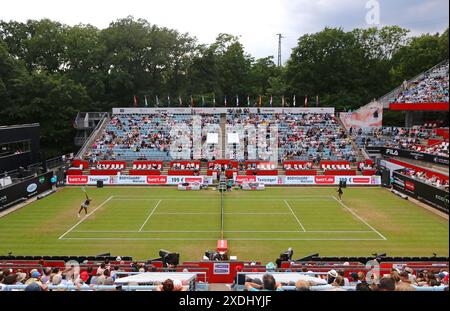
x,y
135,158
156,145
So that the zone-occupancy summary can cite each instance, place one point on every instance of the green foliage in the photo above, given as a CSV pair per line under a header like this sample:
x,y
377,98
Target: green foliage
x,y
49,71
420,54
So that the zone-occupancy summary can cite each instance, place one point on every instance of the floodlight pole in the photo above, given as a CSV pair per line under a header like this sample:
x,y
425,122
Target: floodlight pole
x,y
280,36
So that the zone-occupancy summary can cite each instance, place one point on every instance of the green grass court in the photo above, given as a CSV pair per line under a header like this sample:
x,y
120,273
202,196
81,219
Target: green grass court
x,y
258,225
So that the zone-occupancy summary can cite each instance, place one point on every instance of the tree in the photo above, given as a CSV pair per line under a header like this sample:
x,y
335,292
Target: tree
x,y
260,73
331,64
420,54
49,71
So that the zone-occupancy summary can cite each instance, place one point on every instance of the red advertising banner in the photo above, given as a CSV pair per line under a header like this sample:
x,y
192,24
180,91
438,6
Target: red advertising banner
x,y
419,106
244,178
324,180
156,180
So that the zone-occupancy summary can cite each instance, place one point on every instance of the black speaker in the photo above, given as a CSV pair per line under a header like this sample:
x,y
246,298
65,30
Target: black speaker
x,y
99,183
44,162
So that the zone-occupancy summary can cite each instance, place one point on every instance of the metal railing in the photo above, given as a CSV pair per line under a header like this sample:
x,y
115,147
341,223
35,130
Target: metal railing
x,y
93,135
385,98
82,119
72,287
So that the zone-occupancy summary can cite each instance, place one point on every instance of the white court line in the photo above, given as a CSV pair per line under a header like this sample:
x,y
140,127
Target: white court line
x,y
215,239
213,231
79,222
296,198
212,213
303,228
362,220
153,210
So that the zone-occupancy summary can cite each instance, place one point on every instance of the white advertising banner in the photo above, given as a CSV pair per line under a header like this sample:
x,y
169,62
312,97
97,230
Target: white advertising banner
x,y
323,180
199,110
270,180
332,180
132,180
299,180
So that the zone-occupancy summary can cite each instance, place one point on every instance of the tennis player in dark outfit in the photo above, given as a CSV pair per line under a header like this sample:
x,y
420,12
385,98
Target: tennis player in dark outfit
x,y
340,192
84,205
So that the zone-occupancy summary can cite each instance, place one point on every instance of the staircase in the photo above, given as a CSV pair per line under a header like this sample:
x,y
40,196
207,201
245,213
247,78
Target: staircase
x,y
223,182
223,123
96,133
360,155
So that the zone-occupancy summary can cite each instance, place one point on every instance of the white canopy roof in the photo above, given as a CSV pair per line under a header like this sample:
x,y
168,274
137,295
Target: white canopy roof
x,y
289,277
147,277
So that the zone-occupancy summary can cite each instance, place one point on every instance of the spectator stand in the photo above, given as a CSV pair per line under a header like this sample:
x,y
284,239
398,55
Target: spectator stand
x,y
299,168
337,168
146,168
185,168
229,166
262,168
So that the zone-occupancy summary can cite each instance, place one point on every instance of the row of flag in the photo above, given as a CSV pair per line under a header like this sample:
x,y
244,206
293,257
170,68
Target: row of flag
x,y
225,101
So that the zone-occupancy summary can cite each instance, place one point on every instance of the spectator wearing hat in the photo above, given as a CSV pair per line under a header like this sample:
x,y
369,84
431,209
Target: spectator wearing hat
x,y
35,277
331,276
270,267
84,276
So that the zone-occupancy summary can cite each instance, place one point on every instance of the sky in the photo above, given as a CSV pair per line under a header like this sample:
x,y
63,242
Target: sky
x,y
256,21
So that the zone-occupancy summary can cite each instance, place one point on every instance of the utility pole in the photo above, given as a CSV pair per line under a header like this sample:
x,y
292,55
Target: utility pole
x,y
280,36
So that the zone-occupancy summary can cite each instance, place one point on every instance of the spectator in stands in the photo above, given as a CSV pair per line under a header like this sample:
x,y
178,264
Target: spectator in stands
x,y
271,267
404,283
114,272
302,286
46,275
56,280
94,278
8,279
331,276
101,268
386,284
346,281
430,87
362,287
413,139
268,284
89,273
338,281
170,286
34,287
354,279
35,277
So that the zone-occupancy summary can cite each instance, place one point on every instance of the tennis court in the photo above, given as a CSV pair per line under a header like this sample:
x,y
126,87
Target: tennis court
x,y
139,221
261,218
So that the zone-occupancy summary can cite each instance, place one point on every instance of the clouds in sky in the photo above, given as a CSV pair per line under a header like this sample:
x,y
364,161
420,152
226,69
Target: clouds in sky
x,y
256,21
